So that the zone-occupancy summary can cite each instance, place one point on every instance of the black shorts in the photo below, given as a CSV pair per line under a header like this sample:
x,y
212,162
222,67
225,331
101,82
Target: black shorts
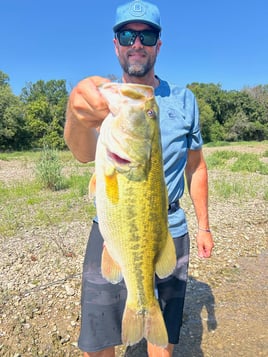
x,y
102,303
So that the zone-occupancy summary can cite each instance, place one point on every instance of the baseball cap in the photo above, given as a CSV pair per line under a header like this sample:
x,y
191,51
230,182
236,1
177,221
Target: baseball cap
x,y
137,11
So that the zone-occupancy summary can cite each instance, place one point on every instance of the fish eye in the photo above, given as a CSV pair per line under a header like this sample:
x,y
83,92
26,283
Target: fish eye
x,y
150,113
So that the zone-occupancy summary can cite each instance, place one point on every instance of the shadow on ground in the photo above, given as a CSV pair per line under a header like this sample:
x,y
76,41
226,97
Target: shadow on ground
x,y
199,308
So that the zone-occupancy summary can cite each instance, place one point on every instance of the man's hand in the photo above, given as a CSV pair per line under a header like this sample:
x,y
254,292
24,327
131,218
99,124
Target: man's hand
x,y
85,112
204,244
86,104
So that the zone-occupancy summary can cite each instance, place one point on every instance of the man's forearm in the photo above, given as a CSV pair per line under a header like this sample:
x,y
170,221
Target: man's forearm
x,y
80,139
198,190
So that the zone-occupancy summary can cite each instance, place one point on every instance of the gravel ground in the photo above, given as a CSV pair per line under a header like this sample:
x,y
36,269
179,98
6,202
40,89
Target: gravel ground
x,y
226,302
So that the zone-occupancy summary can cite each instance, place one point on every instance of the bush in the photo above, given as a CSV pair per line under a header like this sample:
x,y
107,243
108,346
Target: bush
x,y
48,170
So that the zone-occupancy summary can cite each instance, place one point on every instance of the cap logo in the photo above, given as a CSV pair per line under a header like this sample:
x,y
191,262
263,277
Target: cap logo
x,y
137,9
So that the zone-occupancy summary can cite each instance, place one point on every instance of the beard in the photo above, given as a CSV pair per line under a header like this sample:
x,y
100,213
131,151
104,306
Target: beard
x,y
136,69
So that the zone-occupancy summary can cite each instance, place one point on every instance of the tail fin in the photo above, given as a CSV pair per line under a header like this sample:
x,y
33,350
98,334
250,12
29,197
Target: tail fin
x,y
148,323
132,326
155,328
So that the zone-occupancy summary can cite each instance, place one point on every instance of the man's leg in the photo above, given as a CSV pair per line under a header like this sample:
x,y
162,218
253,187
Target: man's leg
x,y
171,295
156,351
102,304
108,352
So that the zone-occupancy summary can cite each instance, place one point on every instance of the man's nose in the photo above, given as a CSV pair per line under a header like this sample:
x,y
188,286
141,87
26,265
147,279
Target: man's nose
x,y
137,42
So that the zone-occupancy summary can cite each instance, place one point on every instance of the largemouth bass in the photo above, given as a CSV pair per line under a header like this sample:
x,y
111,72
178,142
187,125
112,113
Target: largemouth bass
x,y
131,204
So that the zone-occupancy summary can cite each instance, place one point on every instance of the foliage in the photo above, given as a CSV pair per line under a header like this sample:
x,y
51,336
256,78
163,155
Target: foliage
x,y
36,117
49,170
44,109
237,115
237,162
249,163
25,202
12,125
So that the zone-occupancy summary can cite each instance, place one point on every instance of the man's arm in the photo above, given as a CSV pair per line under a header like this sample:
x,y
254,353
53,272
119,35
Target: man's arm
x,y
197,181
85,112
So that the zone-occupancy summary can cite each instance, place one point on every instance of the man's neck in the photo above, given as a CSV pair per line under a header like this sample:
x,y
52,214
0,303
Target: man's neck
x,y
152,81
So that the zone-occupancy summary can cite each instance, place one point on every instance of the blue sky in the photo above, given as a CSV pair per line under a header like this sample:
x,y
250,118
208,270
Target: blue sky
x,y
208,41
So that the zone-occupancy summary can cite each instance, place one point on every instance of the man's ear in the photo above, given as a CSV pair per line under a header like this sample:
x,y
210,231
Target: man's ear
x,y
115,41
159,44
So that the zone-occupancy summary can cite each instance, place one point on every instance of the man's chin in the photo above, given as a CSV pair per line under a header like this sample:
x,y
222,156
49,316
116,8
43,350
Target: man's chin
x,y
136,70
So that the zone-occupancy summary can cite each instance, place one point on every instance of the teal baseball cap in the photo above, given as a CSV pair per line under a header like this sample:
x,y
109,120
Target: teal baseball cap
x,y
137,11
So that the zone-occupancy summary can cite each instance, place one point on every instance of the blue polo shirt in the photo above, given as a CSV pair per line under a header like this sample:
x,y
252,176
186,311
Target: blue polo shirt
x,y
180,131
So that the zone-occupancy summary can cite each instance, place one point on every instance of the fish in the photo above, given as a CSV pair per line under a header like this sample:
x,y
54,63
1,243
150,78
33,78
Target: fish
x,y
130,194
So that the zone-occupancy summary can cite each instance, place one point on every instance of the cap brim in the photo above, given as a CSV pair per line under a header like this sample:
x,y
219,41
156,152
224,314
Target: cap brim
x,y
121,24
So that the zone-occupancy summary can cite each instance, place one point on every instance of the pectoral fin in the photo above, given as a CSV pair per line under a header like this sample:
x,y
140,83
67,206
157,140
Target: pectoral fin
x,y
112,188
166,262
92,186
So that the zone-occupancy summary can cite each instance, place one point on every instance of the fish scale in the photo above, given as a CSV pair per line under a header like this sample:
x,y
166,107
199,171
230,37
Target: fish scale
x,y
131,203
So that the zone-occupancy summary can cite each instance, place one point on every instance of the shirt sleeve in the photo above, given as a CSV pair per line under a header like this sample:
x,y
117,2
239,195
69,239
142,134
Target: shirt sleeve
x,y
194,137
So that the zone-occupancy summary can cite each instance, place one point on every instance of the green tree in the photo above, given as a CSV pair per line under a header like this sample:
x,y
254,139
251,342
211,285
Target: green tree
x,y
237,115
4,79
45,104
215,107
12,125
249,119
217,99
206,119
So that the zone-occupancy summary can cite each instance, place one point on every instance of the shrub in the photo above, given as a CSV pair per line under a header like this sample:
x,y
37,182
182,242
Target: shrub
x,y
48,170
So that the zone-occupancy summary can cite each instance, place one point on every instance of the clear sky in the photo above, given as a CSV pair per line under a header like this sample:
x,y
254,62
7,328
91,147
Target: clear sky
x,y
208,41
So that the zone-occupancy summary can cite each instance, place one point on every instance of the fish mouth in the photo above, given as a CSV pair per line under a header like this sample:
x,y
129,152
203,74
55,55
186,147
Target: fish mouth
x,y
118,159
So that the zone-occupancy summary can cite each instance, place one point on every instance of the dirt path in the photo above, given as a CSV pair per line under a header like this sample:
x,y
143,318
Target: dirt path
x,y
225,314
230,320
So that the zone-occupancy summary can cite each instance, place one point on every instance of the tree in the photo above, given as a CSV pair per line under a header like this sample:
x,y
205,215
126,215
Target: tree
x,y
249,120
45,104
12,129
217,99
206,119
4,79
237,115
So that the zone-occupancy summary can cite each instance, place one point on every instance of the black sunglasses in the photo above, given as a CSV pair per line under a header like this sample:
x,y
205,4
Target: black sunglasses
x,y
128,37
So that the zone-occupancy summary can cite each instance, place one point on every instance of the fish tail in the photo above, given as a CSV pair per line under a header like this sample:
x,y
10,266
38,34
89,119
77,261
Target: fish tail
x,y
155,328
148,324
132,326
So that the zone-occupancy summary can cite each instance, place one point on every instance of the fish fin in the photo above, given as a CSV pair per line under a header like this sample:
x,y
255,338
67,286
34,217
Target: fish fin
x,y
112,190
149,324
132,326
92,186
167,260
110,270
154,326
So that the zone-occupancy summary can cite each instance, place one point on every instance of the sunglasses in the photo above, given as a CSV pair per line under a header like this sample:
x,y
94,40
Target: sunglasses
x,y
128,37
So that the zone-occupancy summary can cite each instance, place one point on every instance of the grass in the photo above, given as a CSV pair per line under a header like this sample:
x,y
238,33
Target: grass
x,y
20,155
237,162
241,188
244,174
219,159
29,204
49,170
248,162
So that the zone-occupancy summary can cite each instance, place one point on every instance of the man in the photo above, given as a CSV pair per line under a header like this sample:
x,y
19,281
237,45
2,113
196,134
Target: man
x,y
137,44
